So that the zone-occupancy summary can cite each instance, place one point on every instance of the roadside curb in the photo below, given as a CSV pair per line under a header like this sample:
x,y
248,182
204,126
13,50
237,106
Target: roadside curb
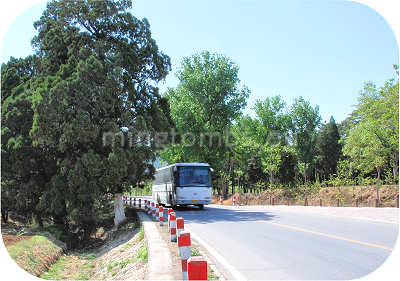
x,y
159,266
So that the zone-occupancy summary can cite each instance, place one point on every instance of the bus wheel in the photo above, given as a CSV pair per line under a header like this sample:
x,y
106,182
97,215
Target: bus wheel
x,y
201,206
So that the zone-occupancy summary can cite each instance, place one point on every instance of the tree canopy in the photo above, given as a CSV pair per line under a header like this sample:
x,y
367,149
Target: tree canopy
x,y
91,93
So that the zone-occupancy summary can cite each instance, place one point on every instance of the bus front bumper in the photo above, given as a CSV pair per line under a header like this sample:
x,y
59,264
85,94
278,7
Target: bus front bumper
x,y
192,202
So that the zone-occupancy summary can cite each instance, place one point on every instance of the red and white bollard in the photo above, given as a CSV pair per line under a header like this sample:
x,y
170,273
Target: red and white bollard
x,y
180,226
220,200
140,203
185,251
161,214
145,206
170,210
197,268
172,225
153,210
157,211
134,201
233,200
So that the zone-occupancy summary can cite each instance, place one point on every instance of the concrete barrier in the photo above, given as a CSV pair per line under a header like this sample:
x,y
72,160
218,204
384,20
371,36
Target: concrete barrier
x,y
180,226
197,268
185,251
170,210
161,214
172,223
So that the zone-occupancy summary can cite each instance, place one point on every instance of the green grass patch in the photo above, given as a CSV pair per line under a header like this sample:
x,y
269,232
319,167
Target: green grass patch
x,y
109,267
34,255
143,254
195,252
141,234
80,271
124,263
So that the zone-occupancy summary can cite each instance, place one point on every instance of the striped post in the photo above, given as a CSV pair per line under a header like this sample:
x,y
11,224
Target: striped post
x,y
157,212
185,251
172,223
140,203
197,268
150,208
153,210
180,226
220,200
134,201
170,210
145,206
233,200
161,214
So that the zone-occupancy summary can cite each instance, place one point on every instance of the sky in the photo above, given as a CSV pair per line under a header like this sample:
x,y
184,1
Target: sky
x,y
322,50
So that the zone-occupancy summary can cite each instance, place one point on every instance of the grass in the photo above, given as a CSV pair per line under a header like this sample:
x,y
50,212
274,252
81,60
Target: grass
x,y
211,275
124,263
72,268
141,234
35,254
143,254
195,252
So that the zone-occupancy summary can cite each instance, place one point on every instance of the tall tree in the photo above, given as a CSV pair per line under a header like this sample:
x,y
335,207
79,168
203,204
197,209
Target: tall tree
x,y
373,138
328,150
305,120
272,120
25,170
96,85
203,105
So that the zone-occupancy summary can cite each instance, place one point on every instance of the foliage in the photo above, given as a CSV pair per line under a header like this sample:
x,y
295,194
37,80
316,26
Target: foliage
x,y
373,140
328,149
203,105
92,80
305,120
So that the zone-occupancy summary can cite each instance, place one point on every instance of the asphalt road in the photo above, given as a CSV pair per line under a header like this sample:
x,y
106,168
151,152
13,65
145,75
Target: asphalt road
x,y
272,243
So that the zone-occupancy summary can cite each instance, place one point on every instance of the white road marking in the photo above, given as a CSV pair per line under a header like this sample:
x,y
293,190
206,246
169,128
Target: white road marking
x,y
235,274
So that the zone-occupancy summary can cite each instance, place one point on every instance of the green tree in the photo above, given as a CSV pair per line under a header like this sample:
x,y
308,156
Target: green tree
x,y
203,106
272,121
305,120
328,149
373,138
25,169
99,67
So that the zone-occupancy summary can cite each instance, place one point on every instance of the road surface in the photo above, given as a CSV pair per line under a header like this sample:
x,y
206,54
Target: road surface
x,y
270,243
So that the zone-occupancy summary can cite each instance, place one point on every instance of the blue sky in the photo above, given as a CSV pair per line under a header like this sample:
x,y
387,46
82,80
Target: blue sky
x,y
322,50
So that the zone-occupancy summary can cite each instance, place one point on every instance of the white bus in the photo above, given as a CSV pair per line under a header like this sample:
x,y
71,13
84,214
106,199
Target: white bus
x,y
183,184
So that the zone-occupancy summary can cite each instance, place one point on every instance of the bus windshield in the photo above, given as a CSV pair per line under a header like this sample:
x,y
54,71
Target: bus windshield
x,y
190,176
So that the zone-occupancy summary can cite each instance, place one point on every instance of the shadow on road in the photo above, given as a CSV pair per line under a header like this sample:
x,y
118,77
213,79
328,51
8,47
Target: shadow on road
x,y
210,214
